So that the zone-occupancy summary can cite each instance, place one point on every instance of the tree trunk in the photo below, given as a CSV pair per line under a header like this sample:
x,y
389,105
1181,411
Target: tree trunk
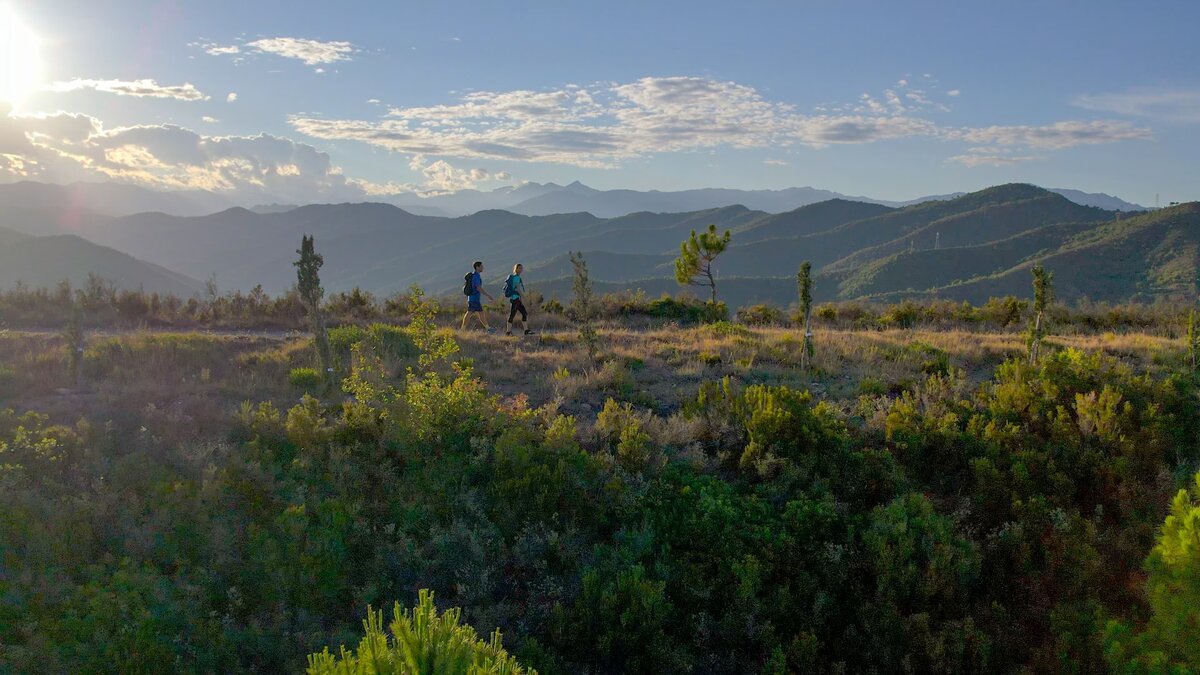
x,y
321,338
806,348
1036,340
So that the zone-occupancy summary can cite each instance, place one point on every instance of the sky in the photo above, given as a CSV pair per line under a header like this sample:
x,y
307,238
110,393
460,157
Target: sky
x,y
316,101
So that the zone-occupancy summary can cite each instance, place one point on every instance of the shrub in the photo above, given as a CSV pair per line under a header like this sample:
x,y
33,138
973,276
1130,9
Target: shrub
x,y
726,329
761,315
307,379
421,641
393,341
1170,641
686,310
901,315
342,338
1004,311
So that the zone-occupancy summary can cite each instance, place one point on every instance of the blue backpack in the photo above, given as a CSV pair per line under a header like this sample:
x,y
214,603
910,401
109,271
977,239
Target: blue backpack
x,y
509,291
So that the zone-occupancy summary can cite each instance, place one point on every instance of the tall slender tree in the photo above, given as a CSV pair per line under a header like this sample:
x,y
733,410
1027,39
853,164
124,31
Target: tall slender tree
x,y
73,336
581,305
694,266
308,283
804,285
1043,295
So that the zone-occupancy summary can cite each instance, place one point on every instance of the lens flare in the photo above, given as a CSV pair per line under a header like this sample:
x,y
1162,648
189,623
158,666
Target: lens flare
x,y
20,62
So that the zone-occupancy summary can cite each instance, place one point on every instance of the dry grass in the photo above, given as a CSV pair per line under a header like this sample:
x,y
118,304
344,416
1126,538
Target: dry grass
x,y
199,377
661,367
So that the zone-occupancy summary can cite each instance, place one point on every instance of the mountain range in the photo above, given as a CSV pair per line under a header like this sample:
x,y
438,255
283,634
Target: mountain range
x,y
964,247
531,199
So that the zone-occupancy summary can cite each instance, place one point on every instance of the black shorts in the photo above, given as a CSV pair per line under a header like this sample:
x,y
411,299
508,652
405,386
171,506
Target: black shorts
x,y
517,306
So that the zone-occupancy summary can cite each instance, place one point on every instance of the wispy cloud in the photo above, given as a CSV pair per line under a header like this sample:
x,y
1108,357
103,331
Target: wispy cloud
x,y
143,88
311,52
231,97
985,156
1172,105
603,124
1055,136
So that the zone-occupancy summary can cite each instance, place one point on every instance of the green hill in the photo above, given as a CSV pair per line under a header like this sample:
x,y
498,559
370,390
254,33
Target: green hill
x,y
988,223
932,268
46,261
809,219
1154,255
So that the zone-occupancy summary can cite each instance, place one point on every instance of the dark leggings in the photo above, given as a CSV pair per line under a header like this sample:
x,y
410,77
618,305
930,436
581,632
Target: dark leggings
x,y
517,306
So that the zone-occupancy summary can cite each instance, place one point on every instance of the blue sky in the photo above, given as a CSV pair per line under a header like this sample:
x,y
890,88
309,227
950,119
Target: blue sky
x,y
346,100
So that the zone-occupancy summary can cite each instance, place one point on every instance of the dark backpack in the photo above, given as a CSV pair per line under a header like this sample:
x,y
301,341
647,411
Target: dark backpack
x,y
509,291
468,286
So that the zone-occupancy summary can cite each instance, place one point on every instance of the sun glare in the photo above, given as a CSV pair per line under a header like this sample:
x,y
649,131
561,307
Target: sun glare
x,y
20,63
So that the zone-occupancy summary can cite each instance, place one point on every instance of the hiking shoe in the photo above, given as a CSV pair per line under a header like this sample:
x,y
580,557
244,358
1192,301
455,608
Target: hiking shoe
x,y
529,332
491,330
508,333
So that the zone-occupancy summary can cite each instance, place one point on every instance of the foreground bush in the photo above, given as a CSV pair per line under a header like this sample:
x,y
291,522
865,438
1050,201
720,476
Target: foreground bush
x,y
1170,641
421,642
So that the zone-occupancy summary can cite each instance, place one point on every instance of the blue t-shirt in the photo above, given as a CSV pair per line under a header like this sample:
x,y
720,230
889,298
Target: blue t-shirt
x,y
476,283
516,287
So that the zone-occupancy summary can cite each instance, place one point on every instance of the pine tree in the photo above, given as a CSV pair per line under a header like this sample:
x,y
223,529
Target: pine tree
x,y
804,284
696,256
311,293
1043,295
73,336
582,305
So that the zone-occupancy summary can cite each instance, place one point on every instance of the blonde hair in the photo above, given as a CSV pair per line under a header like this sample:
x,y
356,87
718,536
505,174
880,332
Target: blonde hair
x,y
516,266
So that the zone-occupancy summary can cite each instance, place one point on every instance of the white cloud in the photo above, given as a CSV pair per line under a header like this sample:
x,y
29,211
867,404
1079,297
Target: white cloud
x,y
603,124
143,88
231,97
311,52
1172,105
953,92
210,120
64,147
775,162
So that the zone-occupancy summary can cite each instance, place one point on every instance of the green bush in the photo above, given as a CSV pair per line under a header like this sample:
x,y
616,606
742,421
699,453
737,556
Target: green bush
x,y
421,641
761,315
393,341
1170,641
686,310
306,379
342,338
725,329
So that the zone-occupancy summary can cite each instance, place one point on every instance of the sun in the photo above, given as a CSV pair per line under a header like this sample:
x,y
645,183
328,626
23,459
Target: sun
x,y
20,63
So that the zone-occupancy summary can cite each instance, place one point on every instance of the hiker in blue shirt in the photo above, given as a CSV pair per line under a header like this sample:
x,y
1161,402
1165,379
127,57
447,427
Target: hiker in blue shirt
x,y
473,288
514,290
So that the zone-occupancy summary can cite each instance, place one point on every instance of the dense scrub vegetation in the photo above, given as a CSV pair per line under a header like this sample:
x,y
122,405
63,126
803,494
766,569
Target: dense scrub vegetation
x,y
100,305
948,526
